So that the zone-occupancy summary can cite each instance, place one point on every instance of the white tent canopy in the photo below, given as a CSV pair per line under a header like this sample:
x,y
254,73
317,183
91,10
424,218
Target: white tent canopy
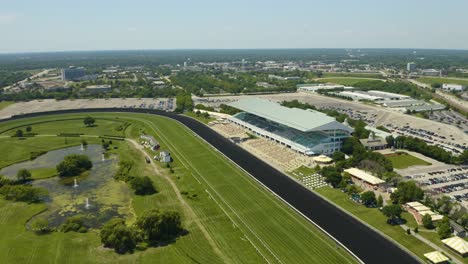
x,y
456,243
436,257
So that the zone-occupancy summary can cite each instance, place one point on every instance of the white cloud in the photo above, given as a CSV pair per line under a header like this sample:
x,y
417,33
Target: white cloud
x,y
8,18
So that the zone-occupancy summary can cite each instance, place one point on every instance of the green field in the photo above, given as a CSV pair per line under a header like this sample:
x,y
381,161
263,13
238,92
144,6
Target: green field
x,y
352,74
376,219
441,80
403,161
346,80
4,104
230,218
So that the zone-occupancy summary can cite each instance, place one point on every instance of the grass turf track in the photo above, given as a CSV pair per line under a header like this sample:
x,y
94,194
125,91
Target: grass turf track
x,y
278,233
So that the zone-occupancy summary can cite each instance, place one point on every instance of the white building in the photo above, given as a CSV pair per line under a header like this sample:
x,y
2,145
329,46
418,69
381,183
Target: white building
x,y
164,157
305,131
453,87
430,72
411,66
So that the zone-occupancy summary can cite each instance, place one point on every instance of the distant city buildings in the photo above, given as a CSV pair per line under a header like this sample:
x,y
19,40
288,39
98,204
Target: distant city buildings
x,y
72,74
411,67
430,72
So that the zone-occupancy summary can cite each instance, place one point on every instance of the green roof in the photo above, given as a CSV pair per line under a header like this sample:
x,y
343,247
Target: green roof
x,y
302,120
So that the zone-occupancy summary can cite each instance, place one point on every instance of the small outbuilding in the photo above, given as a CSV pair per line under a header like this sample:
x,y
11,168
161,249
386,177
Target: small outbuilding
x,y
457,244
165,157
436,257
364,177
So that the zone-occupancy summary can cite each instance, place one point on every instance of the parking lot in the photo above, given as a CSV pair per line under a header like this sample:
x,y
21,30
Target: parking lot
x,y
165,104
451,181
447,136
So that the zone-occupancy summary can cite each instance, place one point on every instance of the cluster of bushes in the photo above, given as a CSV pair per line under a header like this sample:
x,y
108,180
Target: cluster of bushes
x,y
140,185
435,152
106,144
35,154
184,102
73,165
151,228
226,109
23,193
75,224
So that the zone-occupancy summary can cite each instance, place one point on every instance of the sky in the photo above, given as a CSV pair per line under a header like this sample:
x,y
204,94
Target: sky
x,y
65,25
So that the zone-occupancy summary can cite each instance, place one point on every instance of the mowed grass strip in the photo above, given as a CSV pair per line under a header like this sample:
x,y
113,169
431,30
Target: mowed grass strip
x,y
376,219
403,161
346,80
72,126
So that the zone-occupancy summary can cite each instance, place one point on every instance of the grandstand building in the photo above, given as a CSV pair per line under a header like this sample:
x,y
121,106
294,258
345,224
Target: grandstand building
x,y
305,131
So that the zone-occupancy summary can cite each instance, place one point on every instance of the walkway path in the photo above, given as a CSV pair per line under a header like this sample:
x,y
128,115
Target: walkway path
x,y
428,242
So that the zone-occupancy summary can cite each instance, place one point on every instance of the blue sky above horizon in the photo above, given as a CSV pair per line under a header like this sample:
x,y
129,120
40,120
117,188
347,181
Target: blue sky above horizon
x,y
63,25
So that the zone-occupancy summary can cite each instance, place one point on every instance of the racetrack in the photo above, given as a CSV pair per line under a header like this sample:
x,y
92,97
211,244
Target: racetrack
x,y
367,244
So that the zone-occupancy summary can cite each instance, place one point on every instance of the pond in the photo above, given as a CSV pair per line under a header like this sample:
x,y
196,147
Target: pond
x,y
106,197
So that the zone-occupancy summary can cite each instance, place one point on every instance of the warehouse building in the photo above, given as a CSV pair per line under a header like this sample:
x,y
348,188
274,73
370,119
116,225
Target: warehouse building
x,y
305,131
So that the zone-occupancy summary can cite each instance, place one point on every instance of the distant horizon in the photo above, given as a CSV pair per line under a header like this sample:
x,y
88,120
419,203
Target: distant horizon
x,y
222,49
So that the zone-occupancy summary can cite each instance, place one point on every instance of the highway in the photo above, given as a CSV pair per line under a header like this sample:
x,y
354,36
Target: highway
x,y
367,244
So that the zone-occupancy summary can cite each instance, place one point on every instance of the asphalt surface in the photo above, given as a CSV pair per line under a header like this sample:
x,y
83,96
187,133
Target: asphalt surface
x,y
368,245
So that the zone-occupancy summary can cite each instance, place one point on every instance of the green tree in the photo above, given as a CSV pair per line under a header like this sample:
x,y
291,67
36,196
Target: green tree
x,y
115,234
40,226
75,224
368,198
427,221
23,193
19,133
393,212
23,175
28,129
158,225
89,121
73,165
407,191
142,185
332,175
444,230
380,201
338,155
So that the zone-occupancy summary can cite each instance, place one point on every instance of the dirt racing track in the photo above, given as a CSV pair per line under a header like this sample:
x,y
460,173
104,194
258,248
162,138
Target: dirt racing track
x,y
364,242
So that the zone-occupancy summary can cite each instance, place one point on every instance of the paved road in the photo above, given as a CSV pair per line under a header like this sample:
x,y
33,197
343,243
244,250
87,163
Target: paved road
x,y
367,244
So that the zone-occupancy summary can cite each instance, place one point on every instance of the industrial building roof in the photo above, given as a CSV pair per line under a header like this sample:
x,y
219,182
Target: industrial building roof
x,y
302,120
364,176
456,243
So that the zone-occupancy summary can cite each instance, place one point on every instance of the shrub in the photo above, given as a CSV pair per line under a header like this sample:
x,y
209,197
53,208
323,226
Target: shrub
x,y
159,226
40,226
142,185
73,165
23,175
115,234
23,193
74,223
